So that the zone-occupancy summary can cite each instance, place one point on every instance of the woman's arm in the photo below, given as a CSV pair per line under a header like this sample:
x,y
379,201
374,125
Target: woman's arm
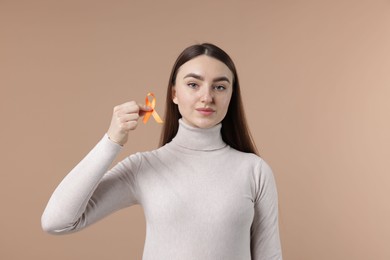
x,y
265,241
89,192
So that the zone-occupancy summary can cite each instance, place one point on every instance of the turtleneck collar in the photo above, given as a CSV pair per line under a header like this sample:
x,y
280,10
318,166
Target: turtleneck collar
x,y
200,139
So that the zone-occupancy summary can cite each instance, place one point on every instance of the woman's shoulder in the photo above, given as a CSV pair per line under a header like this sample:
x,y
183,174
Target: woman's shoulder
x,y
245,155
256,161
146,155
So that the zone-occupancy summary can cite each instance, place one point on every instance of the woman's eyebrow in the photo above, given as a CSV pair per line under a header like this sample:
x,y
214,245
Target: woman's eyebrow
x,y
193,75
222,78
196,76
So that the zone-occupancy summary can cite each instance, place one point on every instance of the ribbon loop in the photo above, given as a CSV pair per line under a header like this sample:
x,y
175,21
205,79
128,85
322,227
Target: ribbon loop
x,y
153,112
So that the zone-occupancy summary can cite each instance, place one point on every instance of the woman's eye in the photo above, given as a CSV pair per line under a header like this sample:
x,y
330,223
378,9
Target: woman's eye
x,y
220,88
192,85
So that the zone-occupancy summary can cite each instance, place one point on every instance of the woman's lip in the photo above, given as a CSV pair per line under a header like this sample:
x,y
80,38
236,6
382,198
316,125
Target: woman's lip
x,y
205,111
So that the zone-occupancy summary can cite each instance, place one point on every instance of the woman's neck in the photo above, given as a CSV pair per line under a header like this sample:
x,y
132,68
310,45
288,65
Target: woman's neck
x,y
202,139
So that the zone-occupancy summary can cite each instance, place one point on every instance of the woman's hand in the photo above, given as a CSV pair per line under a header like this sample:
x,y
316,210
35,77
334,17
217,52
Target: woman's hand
x,y
125,118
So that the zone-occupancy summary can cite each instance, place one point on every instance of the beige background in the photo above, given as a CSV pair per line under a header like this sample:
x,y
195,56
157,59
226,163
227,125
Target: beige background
x,y
316,85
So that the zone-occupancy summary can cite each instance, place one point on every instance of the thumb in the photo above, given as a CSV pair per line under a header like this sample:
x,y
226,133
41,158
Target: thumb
x,y
143,109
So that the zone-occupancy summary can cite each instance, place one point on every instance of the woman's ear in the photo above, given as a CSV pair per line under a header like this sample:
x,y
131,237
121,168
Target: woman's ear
x,y
174,97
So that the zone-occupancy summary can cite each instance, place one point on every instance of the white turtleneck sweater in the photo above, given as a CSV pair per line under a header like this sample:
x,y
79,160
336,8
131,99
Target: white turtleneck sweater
x,y
201,198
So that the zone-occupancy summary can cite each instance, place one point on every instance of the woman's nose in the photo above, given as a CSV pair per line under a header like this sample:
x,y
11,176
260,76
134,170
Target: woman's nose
x,y
207,95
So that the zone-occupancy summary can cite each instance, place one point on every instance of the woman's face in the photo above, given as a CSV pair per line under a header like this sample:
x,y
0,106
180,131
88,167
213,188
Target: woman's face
x,y
202,91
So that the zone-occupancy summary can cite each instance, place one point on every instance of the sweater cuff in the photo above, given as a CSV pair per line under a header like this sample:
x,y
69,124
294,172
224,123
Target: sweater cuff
x,y
110,142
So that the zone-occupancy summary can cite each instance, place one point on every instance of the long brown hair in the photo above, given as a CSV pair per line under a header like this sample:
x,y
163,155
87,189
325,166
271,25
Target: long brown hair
x,y
234,131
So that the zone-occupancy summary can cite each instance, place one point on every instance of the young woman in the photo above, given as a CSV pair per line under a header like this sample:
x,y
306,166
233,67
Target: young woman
x,y
205,192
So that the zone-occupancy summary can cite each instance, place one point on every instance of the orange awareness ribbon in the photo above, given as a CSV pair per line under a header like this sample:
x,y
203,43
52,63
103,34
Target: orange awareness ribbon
x,y
153,112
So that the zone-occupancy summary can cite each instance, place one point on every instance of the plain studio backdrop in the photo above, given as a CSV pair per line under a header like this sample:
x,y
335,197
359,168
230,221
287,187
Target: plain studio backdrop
x,y
316,87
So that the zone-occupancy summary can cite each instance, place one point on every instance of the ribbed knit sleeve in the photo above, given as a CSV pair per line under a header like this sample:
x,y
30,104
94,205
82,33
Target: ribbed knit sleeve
x,y
90,192
265,241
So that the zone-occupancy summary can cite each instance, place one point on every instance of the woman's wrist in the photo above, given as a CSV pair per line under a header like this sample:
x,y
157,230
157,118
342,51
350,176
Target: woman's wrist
x,y
114,140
